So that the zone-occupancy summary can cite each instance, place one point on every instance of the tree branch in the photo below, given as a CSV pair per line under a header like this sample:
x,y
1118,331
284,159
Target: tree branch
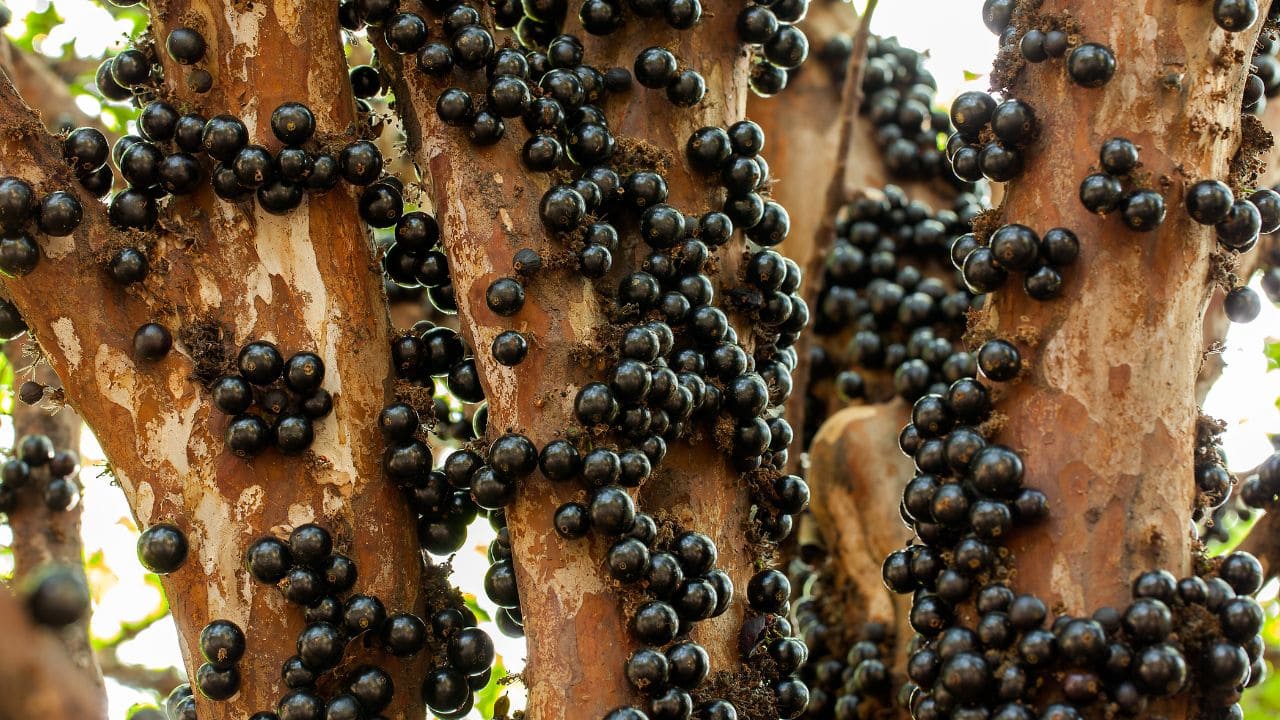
x,y
40,535
45,89
1122,427
160,681
306,282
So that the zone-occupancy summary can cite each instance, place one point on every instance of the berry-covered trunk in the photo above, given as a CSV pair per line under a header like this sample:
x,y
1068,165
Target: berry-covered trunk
x,y
223,275
1106,409
576,619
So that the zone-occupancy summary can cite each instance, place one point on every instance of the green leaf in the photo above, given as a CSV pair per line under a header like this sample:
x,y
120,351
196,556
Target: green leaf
x,y
1271,348
490,693
474,606
970,76
6,385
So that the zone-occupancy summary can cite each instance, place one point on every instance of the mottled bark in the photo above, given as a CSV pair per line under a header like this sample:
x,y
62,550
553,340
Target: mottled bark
x,y
36,676
1104,413
306,281
488,208
40,535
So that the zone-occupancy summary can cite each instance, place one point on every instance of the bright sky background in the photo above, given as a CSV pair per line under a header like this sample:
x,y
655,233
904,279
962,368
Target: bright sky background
x,y
953,34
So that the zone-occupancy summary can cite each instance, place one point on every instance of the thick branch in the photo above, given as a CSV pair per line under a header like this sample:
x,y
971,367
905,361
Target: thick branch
x,y
1087,413
306,282
44,89
488,208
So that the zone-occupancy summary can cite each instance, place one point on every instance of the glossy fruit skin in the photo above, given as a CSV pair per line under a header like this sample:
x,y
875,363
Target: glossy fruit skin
x,y
1015,247
222,643
304,372
655,67
162,548
1242,305
86,149
294,434
1060,247
152,342
247,435
470,651
268,560
1118,156
224,136
971,111
1209,202
510,348
17,203
59,213
185,45
1014,122
19,255
1268,203
1091,65
1144,210
445,690
1101,194
130,68
1239,230
1235,15
260,362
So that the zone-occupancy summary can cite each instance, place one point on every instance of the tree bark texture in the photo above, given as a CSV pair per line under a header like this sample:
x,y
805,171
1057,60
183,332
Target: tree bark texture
x,y
1105,411
487,205
42,536
306,281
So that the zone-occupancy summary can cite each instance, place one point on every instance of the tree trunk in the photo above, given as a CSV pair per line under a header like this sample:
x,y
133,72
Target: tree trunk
x,y
236,269
1105,411
42,536
487,205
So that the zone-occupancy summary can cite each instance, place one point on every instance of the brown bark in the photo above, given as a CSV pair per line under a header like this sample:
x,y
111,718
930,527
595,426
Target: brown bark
x,y
40,535
857,486
36,674
488,208
1105,410
257,276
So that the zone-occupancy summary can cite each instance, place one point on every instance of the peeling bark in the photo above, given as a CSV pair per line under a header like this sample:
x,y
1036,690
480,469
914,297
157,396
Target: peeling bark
x,y
306,281
41,535
488,208
1105,411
